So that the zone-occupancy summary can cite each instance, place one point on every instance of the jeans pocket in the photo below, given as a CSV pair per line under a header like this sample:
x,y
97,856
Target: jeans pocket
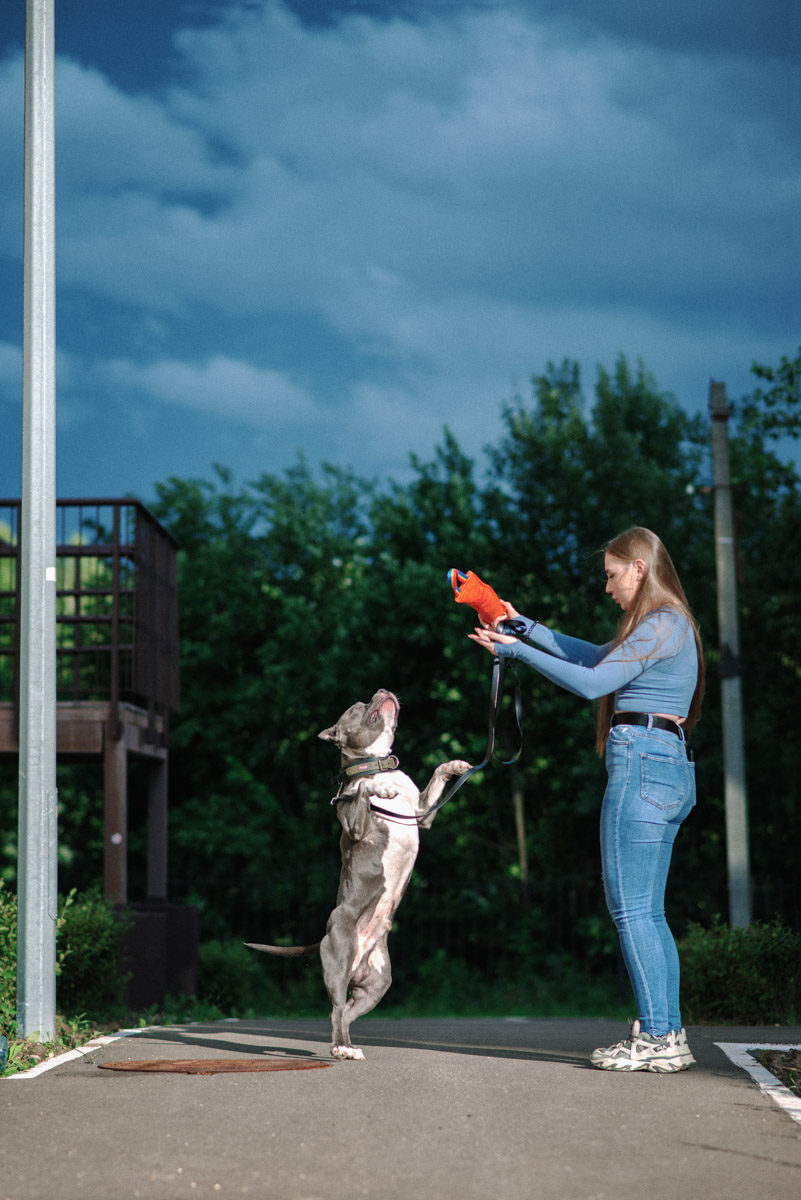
x,y
663,781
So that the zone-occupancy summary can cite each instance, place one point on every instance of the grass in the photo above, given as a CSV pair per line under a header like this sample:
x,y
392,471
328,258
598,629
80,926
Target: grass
x,y
24,1053
74,1032
786,1066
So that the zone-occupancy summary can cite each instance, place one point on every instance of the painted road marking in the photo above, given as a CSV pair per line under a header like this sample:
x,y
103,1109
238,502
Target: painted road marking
x,y
81,1052
739,1054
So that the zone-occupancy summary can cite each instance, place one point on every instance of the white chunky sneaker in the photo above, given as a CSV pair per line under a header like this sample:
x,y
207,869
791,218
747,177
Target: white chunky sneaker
x,y
681,1044
643,1052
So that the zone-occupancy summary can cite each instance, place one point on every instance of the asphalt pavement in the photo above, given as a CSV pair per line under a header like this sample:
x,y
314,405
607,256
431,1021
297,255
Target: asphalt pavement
x,y
446,1109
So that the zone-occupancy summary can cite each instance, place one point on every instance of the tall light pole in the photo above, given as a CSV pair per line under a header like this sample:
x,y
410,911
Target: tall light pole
x,y
735,793
37,886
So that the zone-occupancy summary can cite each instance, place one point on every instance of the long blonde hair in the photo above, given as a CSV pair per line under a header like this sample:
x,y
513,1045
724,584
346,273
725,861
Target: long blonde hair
x,y
660,588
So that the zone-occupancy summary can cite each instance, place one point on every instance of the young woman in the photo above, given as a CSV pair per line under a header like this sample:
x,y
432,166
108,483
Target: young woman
x,y
650,680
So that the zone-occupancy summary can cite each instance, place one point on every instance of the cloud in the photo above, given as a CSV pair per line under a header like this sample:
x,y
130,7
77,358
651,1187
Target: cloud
x,y
474,152
258,398
402,217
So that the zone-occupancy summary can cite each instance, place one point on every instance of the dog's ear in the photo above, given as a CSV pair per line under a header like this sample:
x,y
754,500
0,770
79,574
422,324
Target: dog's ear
x,y
329,735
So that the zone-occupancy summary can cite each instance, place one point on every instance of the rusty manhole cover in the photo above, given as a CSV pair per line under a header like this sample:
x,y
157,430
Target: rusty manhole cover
x,y
215,1066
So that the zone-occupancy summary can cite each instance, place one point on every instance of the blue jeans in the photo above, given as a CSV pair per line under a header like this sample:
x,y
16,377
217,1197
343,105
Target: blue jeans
x,y
650,790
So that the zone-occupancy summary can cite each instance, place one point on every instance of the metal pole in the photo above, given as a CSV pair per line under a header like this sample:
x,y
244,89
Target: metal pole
x,y
37,886
736,796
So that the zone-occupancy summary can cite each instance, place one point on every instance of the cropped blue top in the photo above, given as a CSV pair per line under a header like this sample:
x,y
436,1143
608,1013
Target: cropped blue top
x,y
654,670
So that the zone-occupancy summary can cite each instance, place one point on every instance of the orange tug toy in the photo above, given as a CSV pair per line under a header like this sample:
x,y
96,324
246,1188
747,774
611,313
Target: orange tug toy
x,y
469,589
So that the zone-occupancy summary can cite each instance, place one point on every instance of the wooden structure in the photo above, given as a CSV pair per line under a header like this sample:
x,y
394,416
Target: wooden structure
x,y
117,660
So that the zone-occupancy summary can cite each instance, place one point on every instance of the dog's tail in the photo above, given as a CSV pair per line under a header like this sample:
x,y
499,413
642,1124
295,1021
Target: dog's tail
x,y
286,951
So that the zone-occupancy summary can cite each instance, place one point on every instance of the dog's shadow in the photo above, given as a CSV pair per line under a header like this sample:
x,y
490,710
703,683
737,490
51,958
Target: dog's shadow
x,y
273,1040
204,1038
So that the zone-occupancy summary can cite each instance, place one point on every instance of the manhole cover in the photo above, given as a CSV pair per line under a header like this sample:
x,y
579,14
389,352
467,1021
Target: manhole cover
x,y
215,1066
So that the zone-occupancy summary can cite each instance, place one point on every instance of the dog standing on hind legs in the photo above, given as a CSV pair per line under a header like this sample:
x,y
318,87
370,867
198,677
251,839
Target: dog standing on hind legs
x,y
379,847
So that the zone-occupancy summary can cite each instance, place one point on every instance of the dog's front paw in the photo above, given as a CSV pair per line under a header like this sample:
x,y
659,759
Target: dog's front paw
x,y
456,766
351,1052
384,791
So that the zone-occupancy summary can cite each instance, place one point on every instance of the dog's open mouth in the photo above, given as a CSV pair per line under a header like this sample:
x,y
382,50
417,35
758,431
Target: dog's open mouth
x,y
388,707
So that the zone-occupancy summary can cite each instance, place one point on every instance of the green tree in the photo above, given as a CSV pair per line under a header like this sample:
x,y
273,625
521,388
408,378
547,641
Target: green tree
x,y
303,592
775,411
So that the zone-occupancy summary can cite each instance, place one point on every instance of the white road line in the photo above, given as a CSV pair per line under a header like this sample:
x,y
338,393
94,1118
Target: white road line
x,y
738,1052
81,1052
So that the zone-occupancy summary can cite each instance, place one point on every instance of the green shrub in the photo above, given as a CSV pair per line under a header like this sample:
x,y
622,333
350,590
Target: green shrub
x,y
8,962
89,945
741,976
90,941
239,981
553,985
228,976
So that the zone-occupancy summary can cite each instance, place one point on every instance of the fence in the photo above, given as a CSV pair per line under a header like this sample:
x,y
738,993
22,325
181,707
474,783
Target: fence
x,y
554,932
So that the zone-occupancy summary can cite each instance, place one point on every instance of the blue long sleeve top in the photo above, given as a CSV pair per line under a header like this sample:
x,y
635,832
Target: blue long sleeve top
x,y
654,670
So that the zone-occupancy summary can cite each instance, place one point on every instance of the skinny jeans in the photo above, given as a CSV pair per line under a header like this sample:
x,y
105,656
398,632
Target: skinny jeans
x,y
649,792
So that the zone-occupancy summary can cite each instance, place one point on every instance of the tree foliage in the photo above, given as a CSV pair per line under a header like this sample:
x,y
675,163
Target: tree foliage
x,y
775,411
305,591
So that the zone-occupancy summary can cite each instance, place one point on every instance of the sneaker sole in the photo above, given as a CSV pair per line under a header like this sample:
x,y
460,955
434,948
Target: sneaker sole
x,y
656,1067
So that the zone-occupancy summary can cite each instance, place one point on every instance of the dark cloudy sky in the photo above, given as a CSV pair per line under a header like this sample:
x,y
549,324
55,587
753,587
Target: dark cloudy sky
x,y
340,227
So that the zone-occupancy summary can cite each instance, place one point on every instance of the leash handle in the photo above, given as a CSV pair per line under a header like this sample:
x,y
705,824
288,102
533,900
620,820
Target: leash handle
x,y
496,691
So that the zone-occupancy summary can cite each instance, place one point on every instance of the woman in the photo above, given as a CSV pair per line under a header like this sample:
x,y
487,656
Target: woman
x,y
650,679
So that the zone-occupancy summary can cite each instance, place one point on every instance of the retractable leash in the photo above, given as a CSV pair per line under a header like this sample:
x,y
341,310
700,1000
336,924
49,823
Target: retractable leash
x,y
469,589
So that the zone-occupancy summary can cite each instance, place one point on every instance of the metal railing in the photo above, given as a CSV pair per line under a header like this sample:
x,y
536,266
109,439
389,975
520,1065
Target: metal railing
x,y
116,605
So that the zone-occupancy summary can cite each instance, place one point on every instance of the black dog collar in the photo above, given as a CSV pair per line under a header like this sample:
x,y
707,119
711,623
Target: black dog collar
x,y
360,768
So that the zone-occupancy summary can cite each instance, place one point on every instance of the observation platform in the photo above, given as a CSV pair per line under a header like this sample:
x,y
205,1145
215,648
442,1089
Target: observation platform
x,y
117,668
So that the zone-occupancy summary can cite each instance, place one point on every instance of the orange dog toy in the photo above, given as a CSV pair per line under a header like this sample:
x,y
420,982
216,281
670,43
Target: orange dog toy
x,y
469,589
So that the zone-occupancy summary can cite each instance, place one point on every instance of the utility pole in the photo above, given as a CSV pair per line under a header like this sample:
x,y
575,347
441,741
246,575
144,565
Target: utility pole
x,y
37,859
735,792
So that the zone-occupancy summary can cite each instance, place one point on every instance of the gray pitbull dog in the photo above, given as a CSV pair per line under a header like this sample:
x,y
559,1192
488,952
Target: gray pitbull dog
x,y
379,847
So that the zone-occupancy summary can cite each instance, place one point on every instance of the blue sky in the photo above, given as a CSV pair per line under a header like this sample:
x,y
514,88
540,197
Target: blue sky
x,y
337,228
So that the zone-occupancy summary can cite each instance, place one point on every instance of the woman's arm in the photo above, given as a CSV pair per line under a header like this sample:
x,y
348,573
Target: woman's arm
x,y
561,645
589,680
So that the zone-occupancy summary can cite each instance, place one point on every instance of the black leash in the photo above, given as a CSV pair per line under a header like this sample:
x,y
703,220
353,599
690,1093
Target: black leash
x,y
496,692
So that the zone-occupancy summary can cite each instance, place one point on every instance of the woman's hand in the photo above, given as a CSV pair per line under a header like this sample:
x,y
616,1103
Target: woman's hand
x,y
486,638
511,611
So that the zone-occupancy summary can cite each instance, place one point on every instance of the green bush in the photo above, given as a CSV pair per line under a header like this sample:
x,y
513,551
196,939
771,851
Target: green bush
x,y
90,943
741,976
241,981
552,985
8,962
89,947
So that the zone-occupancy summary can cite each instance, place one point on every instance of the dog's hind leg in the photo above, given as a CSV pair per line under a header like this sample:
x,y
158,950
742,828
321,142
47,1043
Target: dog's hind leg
x,y
337,952
368,986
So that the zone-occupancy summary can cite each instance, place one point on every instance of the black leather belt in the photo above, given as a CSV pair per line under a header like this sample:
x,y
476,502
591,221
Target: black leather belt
x,y
627,718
